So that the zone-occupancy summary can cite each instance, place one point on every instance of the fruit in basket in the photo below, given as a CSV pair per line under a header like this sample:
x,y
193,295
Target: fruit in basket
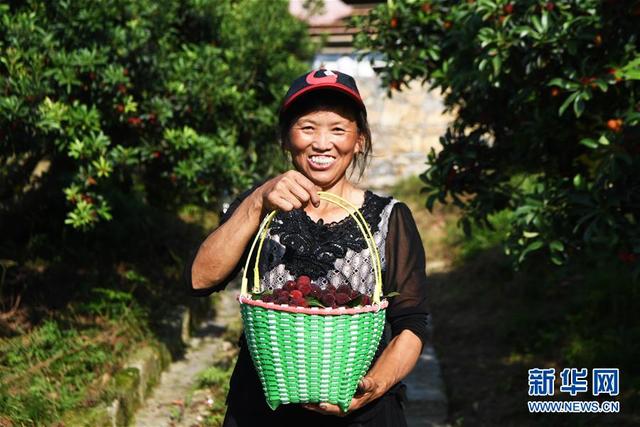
x,y
342,298
302,292
290,286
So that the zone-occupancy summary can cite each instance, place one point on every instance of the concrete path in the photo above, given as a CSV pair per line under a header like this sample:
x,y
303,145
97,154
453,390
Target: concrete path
x,y
173,402
425,390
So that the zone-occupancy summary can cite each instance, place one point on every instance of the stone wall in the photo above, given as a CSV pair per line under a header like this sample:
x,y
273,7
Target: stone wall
x,y
404,127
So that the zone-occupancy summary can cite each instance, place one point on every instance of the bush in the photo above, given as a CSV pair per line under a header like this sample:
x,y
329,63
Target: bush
x,y
162,101
546,96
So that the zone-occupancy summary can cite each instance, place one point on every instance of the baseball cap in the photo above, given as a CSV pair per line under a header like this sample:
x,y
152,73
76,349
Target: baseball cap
x,y
322,79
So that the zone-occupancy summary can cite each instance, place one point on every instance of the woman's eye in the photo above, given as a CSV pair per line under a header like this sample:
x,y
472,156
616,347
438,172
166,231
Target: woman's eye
x,y
339,130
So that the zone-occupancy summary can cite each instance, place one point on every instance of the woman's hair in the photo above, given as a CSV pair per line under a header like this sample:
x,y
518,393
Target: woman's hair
x,y
328,100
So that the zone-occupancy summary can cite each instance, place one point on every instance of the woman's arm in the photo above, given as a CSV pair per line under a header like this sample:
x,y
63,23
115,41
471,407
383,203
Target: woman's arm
x,y
218,255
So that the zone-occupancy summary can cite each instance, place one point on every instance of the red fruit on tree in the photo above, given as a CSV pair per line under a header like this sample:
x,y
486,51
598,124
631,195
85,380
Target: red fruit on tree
x,y
555,92
615,125
119,108
156,154
508,8
426,7
550,6
394,22
447,25
134,121
91,181
122,88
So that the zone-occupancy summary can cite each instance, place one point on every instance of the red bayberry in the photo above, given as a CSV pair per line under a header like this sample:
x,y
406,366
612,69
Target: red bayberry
x,y
447,25
316,291
91,181
394,22
426,7
344,288
290,286
267,298
295,294
342,298
119,108
330,288
304,288
303,279
328,299
122,88
365,300
615,125
282,300
508,8
555,92
550,6
134,121
156,154
300,302
354,294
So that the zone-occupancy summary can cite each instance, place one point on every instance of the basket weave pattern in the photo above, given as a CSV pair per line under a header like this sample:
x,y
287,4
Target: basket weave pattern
x,y
310,358
306,357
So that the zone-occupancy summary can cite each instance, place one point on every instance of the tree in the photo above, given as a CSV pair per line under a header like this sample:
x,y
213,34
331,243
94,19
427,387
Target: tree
x,y
166,102
547,104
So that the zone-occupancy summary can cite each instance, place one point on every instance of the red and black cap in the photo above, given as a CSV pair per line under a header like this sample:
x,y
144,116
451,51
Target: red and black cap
x,y
322,79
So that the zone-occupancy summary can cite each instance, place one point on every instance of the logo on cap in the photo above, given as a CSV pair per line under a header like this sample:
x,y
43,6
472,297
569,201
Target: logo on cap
x,y
329,77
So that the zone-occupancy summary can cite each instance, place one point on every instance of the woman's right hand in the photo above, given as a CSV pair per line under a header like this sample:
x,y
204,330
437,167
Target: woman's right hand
x,y
288,191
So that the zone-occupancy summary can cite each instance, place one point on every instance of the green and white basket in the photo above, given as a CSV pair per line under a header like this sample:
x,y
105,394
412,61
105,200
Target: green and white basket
x,y
312,355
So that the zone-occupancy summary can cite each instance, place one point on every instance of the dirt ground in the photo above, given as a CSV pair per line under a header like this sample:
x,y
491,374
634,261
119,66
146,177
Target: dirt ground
x,y
478,308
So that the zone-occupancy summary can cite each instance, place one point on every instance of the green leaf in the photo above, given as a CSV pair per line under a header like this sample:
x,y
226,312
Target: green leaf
x,y
589,142
567,102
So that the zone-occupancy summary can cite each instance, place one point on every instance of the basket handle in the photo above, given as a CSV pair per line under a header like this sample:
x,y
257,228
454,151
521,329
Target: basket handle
x,y
339,201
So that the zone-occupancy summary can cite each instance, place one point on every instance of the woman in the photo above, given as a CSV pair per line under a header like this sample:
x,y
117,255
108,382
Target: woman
x,y
323,126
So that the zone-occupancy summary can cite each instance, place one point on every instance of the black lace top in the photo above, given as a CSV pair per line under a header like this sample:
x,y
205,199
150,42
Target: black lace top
x,y
317,249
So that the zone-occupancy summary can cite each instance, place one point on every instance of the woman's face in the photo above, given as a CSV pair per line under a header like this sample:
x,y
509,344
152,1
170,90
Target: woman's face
x,y
323,144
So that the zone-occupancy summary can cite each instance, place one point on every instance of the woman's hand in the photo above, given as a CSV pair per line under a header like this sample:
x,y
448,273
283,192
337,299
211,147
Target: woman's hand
x,y
368,389
288,191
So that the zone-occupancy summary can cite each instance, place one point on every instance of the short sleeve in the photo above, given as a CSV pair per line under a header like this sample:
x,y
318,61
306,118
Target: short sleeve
x,y
224,217
405,273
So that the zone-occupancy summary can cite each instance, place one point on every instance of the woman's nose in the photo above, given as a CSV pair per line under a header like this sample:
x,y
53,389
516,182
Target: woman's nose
x,y
322,141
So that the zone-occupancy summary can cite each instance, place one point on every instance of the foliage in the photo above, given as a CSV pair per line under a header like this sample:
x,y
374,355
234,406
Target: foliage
x,y
547,103
167,102
63,363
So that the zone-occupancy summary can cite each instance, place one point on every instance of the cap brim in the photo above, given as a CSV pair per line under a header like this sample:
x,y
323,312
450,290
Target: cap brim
x,y
332,86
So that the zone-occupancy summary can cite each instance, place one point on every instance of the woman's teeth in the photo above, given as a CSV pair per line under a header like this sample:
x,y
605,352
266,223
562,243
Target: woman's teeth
x,y
322,160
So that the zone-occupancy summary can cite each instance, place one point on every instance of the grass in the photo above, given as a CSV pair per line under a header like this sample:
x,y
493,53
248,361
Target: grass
x,y
67,361
84,301
492,324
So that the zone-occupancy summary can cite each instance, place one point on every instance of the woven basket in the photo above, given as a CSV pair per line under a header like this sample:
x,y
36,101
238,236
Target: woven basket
x,y
312,355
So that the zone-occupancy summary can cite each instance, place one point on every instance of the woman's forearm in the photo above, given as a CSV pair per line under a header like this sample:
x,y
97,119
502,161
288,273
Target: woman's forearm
x,y
221,250
396,361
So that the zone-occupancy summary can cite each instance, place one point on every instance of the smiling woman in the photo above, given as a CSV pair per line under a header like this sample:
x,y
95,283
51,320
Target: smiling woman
x,y
323,127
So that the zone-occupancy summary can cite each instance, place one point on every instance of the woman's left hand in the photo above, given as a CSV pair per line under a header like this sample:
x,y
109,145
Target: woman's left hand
x,y
368,389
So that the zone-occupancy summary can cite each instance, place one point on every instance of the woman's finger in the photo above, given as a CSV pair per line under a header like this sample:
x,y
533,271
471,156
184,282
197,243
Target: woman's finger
x,y
309,186
299,192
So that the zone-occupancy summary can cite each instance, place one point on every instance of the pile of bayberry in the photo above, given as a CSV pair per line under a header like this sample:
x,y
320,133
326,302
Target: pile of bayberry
x,y
304,293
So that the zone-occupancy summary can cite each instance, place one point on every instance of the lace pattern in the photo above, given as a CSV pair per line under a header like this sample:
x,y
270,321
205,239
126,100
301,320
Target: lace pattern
x,y
333,253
